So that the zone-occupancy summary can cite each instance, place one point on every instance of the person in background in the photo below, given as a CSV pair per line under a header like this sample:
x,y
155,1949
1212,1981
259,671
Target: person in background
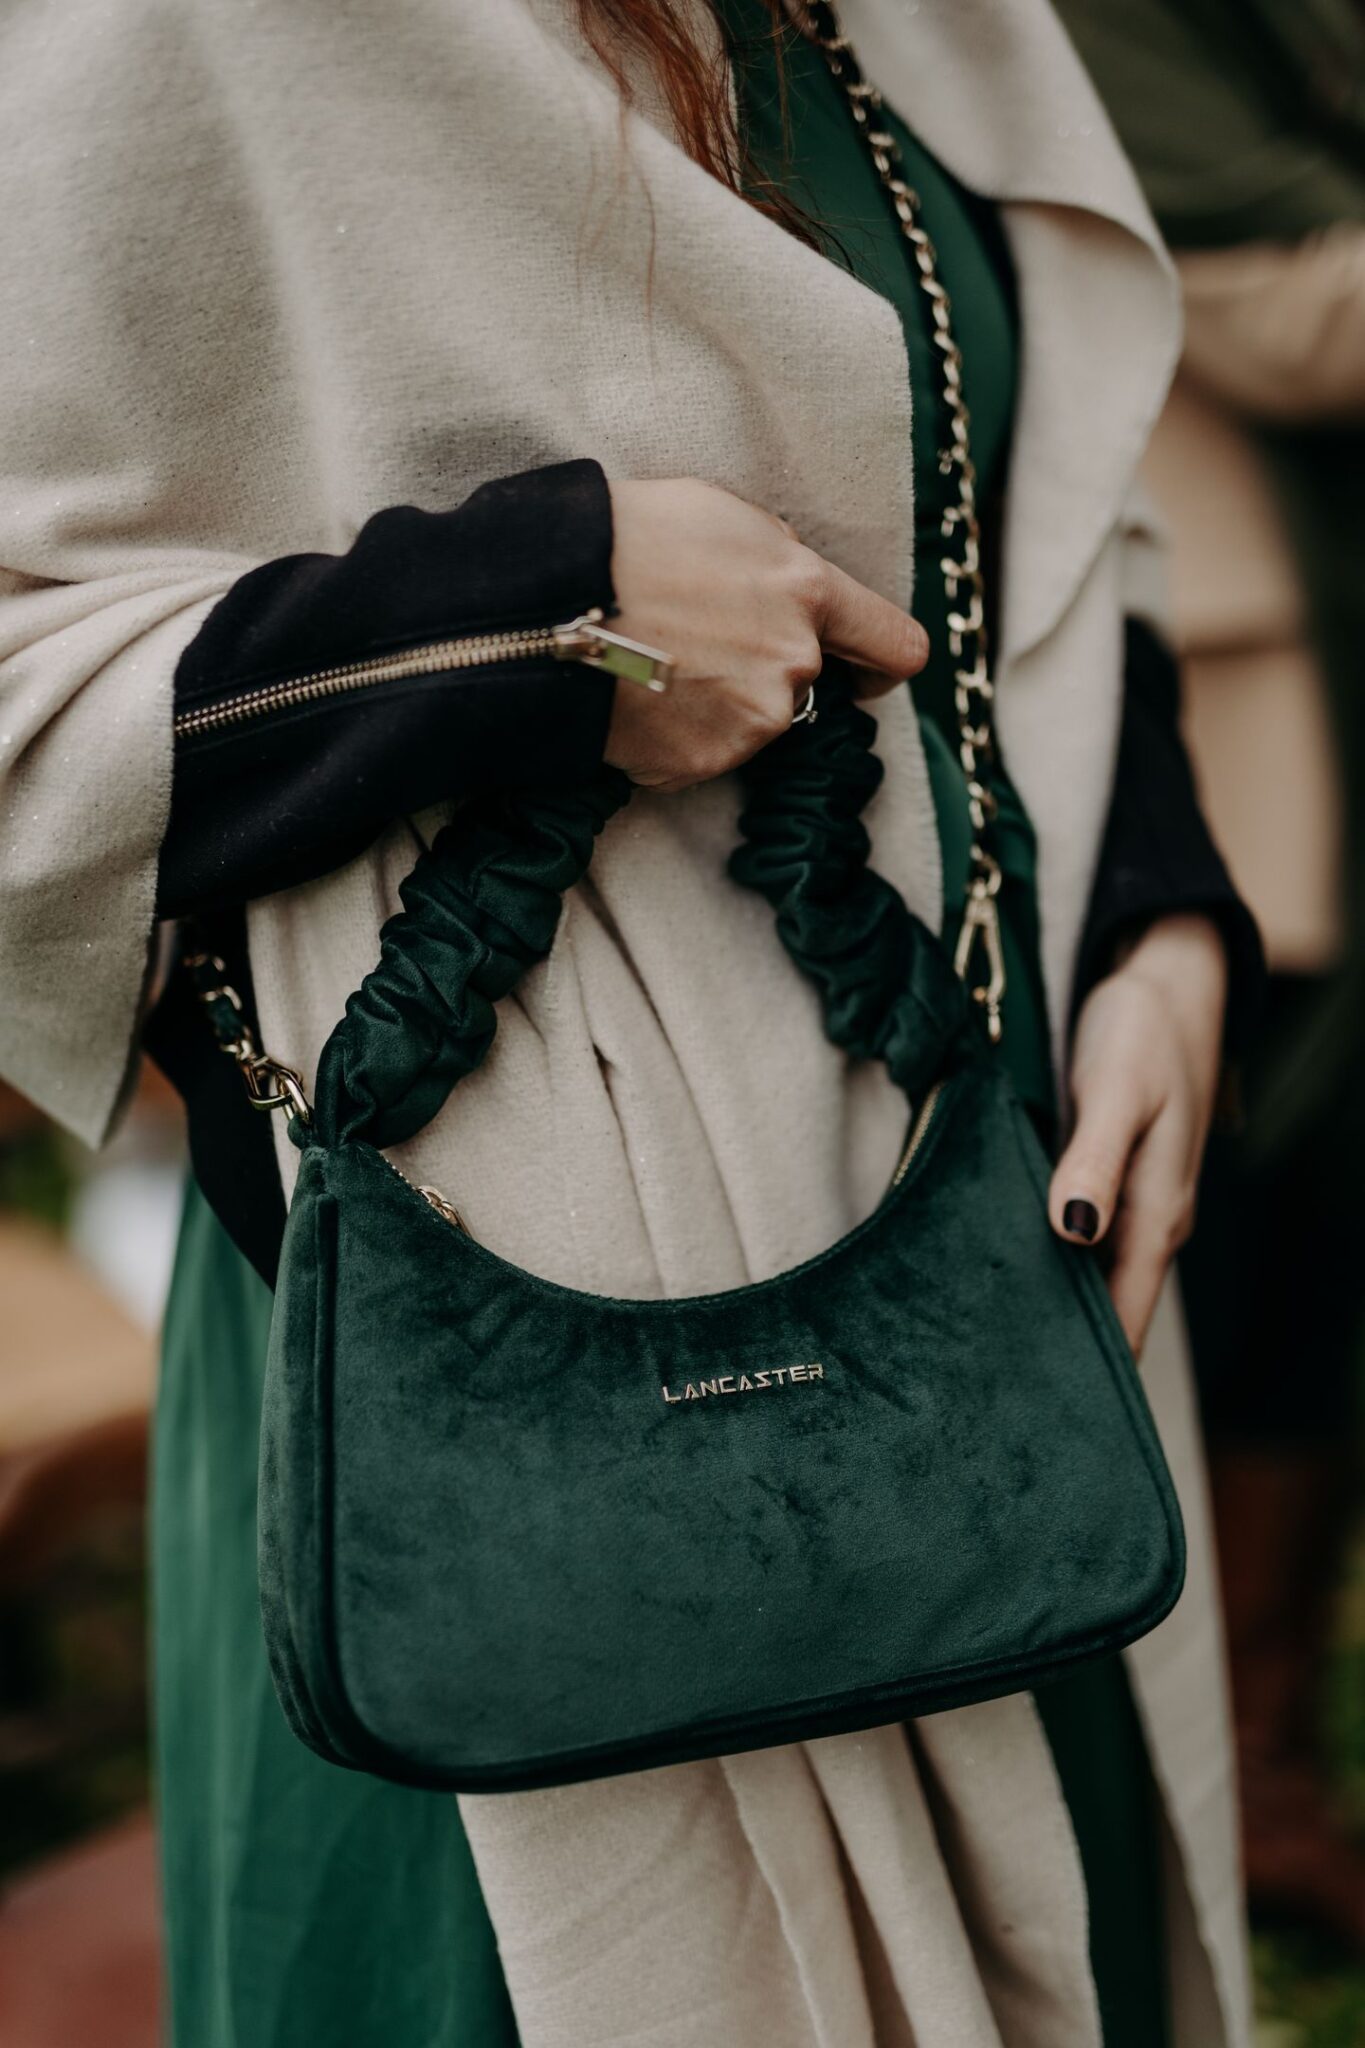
x,y
1246,123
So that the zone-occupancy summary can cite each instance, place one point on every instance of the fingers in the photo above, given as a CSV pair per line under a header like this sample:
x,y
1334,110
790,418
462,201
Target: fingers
x,y
871,682
1130,1171
749,615
1127,1176
1155,1218
1086,1182
1135,1285
866,630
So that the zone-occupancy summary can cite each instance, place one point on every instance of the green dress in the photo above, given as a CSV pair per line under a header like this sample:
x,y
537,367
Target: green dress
x,y
307,1905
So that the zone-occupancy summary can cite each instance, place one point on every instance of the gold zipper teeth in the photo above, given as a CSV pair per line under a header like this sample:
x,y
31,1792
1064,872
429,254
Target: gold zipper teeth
x,y
445,1209
917,1133
587,639
438,657
433,1197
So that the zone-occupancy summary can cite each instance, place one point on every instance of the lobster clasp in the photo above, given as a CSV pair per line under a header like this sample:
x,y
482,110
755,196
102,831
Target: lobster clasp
x,y
981,932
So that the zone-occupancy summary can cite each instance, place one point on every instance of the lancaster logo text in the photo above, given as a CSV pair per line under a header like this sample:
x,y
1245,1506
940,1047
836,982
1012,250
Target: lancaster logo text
x,y
746,1383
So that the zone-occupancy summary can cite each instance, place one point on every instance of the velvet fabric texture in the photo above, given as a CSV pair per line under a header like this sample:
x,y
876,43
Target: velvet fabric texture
x,y
513,1534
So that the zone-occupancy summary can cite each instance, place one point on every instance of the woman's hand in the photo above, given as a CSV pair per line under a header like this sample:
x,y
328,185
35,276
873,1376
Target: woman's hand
x,y
1144,1076
747,614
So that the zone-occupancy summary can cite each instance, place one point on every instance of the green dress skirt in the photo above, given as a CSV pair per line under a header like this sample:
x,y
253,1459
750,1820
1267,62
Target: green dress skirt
x,y
307,1905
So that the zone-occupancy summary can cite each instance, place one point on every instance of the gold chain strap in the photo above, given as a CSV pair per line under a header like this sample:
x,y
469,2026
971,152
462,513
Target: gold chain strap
x,y
973,690
269,1083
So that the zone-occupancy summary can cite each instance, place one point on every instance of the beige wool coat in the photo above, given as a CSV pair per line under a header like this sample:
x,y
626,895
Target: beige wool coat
x,y
278,266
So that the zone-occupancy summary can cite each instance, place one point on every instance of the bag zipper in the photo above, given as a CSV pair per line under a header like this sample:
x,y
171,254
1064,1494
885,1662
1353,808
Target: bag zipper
x,y
585,639
917,1134
450,1214
273,1086
444,1209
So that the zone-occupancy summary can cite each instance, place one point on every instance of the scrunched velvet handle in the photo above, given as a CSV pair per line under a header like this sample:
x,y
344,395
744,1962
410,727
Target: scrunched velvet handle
x,y
482,905
887,989
479,908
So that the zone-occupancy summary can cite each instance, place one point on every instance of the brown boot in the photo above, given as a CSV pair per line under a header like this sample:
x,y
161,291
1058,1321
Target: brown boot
x,y
1282,1517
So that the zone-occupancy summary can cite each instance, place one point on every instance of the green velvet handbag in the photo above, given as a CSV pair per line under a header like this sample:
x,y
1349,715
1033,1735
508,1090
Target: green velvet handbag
x,y
514,1535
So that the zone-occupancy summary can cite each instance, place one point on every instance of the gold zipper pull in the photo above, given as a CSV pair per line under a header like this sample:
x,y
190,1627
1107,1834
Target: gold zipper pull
x,y
588,640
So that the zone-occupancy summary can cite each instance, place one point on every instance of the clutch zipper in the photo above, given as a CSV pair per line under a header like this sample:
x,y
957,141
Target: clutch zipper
x,y
586,639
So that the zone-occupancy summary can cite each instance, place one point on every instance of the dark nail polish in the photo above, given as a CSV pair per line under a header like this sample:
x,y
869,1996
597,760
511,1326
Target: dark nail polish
x,y
1082,1219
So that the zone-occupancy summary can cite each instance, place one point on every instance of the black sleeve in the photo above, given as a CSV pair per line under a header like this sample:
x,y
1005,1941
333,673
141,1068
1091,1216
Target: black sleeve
x,y
278,796
1158,856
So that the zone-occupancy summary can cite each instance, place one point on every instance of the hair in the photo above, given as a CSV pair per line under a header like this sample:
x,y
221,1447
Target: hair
x,y
696,83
